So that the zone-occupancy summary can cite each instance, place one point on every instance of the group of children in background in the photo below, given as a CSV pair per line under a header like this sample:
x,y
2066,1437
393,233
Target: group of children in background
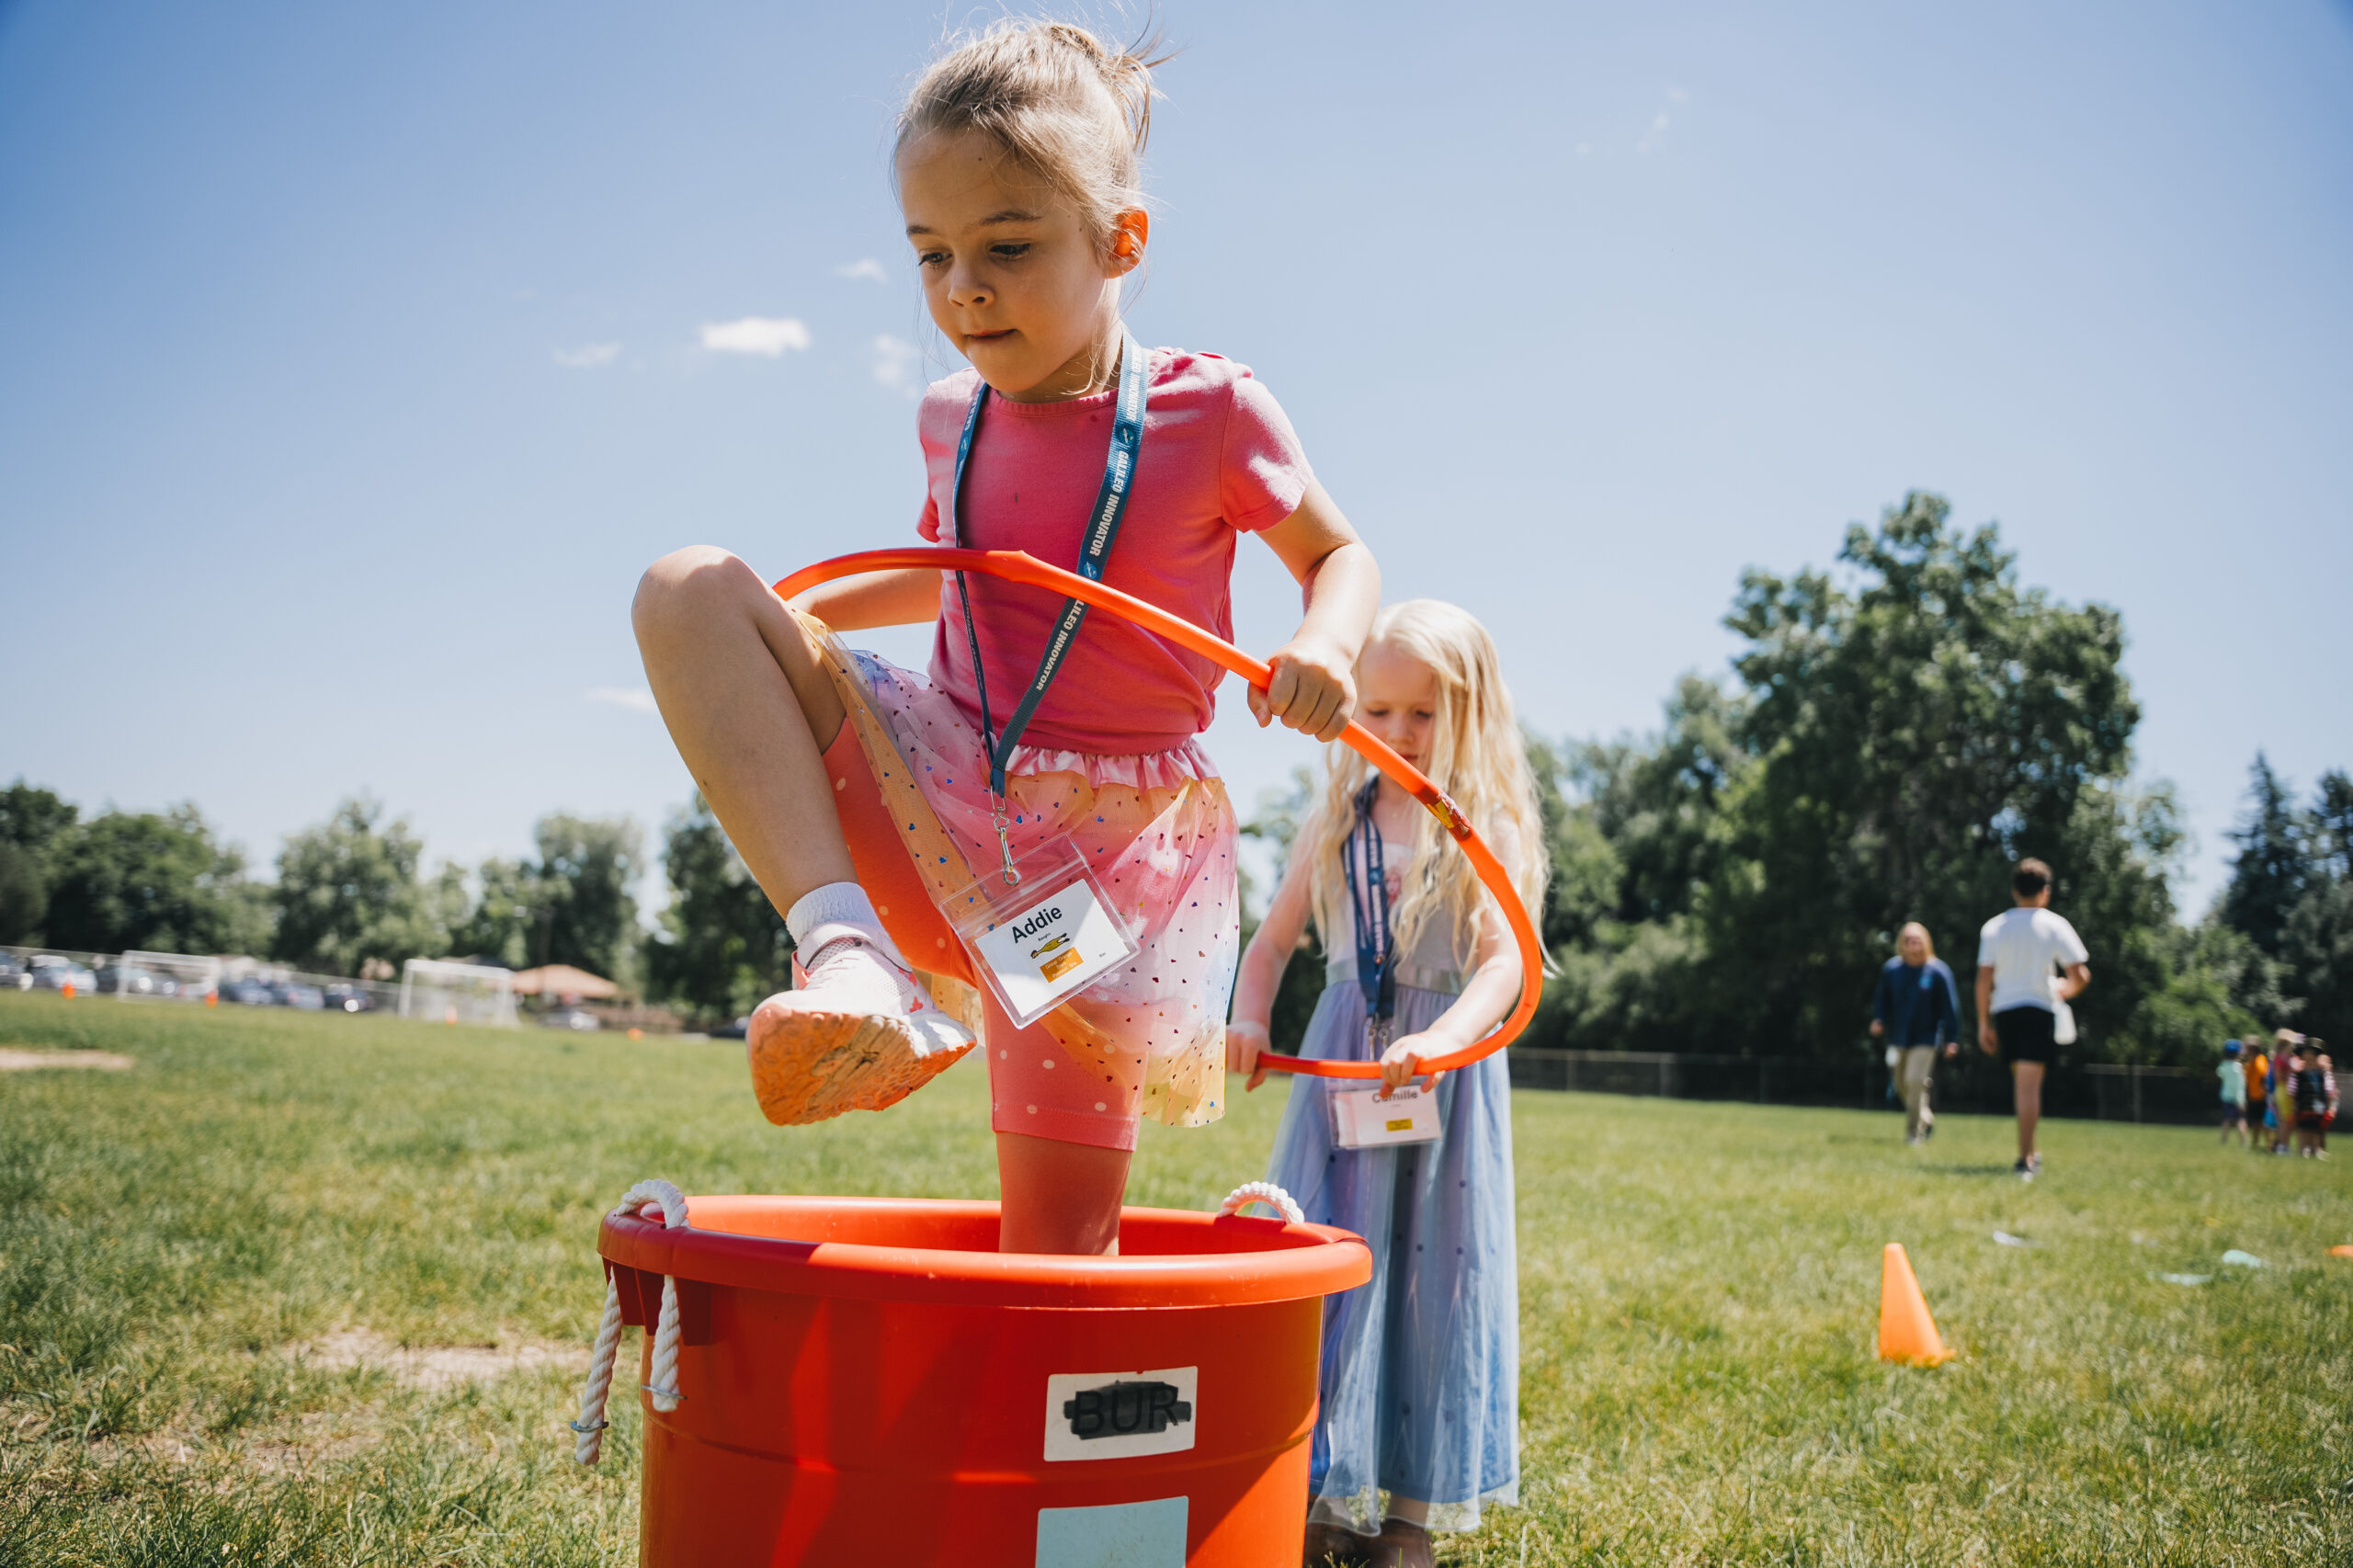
x,y
2286,1095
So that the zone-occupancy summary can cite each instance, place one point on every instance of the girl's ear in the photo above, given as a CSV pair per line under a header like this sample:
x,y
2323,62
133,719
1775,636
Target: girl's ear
x,y
1131,231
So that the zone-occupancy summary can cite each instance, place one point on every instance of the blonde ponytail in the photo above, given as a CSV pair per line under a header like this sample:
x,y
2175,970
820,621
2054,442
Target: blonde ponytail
x,y
1065,107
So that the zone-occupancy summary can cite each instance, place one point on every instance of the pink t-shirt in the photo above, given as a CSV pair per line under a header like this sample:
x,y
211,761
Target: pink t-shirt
x,y
1219,458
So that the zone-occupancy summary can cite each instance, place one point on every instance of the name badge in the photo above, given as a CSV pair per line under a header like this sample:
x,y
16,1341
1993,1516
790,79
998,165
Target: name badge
x,y
1042,939
1362,1120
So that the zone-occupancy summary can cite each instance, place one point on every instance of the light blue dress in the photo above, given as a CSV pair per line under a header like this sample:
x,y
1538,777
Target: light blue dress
x,y
1420,1376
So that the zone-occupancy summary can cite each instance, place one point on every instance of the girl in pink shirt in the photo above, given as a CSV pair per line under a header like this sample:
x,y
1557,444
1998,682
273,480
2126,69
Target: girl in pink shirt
x,y
868,799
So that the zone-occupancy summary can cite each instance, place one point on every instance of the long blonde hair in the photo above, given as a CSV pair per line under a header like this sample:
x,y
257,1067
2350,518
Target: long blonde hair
x,y
1926,940
1476,755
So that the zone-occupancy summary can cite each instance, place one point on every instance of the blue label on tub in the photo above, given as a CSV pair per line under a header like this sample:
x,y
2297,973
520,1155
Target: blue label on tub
x,y
1118,1535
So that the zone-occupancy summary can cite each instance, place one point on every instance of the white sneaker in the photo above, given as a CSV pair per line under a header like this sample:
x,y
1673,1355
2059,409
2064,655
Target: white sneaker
x,y
857,1033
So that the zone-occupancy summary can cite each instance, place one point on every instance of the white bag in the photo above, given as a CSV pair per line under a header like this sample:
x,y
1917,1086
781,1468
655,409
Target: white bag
x,y
2062,1025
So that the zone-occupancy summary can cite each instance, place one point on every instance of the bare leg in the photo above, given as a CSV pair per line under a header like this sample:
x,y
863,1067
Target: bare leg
x,y
751,709
1413,1510
1062,1198
2027,1079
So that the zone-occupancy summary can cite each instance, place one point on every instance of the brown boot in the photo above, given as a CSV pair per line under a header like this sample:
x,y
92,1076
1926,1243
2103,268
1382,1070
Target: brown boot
x,y
1403,1545
1330,1544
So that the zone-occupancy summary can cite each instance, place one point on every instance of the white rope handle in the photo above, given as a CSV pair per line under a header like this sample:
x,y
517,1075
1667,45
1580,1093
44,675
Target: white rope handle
x,y
645,1199
1264,1192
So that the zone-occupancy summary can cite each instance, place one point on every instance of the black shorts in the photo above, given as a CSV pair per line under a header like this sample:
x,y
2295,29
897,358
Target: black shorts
x,y
2233,1115
2027,1034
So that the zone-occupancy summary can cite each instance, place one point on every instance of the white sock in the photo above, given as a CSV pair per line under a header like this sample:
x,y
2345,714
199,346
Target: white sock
x,y
826,914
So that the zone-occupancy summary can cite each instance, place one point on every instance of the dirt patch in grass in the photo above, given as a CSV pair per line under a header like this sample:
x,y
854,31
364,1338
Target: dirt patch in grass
x,y
32,1061
433,1368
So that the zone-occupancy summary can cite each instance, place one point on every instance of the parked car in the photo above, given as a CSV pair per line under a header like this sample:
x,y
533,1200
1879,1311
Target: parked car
x,y
295,994
736,1030
12,972
350,999
49,972
572,1019
117,978
248,991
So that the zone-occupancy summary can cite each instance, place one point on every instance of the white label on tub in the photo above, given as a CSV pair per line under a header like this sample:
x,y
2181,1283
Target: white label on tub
x,y
1116,1415
1114,1535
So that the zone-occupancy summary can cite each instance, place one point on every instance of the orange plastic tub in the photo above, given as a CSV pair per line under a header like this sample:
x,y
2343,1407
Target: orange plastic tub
x,y
870,1382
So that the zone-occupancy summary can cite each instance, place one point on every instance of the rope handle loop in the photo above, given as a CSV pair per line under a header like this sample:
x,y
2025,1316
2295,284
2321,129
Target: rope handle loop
x,y
648,1198
1264,1192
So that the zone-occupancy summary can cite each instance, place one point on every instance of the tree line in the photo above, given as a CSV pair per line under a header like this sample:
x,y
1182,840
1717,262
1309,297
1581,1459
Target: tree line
x,y
1895,734
353,896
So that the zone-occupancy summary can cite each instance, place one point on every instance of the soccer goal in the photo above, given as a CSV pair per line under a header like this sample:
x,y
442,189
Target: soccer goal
x,y
162,977
440,992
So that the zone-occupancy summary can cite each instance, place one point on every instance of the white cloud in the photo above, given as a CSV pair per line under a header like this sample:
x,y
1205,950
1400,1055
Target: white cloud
x,y
768,336
636,698
588,355
866,268
1652,139
896,360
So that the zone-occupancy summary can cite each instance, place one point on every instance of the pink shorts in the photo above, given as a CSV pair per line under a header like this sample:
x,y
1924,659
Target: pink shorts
x,y
1158,833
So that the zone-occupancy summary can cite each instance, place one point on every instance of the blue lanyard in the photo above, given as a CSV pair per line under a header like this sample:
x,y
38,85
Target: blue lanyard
x,y
1375,943
1103,526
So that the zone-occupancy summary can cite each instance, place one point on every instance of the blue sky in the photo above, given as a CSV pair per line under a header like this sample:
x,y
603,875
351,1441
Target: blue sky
x,y
352,358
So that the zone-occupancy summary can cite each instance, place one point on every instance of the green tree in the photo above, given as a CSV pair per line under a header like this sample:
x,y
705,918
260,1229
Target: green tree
x,y
499,922
722,946
1913,736
2316,944
31,818
587,915
125,880
1276,823
2268,874
24,895
1659,802
347,891
2329,839
2317,948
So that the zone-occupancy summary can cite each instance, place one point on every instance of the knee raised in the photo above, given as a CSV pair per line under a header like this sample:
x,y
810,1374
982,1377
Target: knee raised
x,y
687,585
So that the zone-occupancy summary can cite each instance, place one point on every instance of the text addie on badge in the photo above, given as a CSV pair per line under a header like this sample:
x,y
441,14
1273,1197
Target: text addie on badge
x,y
1041,953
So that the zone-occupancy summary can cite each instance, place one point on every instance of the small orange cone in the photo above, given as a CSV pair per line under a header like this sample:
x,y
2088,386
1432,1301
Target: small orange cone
x,y
1907,1332
2340,1251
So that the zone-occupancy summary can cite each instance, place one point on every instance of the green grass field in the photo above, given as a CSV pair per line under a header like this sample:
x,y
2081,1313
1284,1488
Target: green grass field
x,y
221,1270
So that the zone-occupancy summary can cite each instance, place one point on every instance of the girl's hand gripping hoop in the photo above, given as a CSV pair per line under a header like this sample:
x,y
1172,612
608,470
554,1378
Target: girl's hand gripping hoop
x,y
1018,566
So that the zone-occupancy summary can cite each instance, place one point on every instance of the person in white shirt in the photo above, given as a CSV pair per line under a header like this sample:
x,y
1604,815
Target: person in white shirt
x,y
2021,953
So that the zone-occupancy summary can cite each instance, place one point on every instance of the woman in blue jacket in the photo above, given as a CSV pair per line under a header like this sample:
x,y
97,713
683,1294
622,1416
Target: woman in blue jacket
x,y
1916,1011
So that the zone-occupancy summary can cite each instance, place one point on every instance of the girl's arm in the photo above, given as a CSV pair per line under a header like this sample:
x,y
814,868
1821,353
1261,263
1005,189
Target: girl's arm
x,y
1493,990
908,596
1313,689
1262,975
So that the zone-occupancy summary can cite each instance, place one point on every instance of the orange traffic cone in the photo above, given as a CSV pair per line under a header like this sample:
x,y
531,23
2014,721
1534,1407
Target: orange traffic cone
x,y
1907,1332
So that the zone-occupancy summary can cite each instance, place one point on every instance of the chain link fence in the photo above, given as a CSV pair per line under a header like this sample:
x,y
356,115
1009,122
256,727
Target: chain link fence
x,y
2104,1091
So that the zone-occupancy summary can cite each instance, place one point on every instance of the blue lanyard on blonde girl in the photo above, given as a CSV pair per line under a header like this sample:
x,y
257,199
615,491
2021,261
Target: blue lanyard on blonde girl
x,y
1102,528
1368,899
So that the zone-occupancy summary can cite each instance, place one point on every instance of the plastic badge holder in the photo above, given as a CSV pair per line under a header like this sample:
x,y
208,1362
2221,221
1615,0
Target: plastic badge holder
x,y
1042,939
1362,1120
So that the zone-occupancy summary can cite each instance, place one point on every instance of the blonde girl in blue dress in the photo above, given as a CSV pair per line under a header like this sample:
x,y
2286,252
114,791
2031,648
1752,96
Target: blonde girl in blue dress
x,y
1419,1422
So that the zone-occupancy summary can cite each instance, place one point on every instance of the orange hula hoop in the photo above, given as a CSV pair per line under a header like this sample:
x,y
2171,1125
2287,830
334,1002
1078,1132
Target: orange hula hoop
x,y
1018,566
